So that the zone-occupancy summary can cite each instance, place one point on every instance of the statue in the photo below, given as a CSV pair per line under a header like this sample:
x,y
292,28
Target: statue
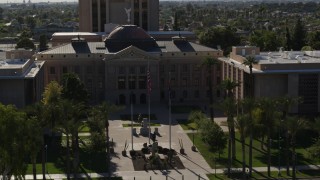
x,y
128,12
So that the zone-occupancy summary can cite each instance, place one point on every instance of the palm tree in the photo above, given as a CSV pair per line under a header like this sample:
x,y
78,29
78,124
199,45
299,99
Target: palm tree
x,y
286,104
250,61
248,106
65,126
229,85
270,117
209,62
103,111
241,123
294,124
229,108
37,111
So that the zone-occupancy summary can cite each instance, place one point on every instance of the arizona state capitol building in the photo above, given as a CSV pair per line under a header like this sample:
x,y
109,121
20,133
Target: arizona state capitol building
x,y
114,68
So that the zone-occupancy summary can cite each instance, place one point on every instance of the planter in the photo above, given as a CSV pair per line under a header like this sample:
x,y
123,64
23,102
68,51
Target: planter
x,y
193,148
124,153
181,151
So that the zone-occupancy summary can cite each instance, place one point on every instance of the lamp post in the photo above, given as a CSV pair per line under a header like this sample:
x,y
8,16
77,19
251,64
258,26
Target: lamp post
x,y
46,159
279,150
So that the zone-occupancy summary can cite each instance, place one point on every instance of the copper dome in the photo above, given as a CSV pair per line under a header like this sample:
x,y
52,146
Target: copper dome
x,y
128,32
129,35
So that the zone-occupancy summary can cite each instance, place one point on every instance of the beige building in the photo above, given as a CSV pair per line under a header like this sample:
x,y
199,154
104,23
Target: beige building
x,y
113,69
19,54
21,81
98,15
292,73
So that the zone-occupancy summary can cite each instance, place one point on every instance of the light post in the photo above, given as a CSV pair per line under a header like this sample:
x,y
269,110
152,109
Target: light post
x,y
46,159
279,150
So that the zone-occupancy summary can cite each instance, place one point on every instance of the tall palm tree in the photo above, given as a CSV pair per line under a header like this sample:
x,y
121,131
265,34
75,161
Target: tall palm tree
x,y
209,62
250,61
65,126
286,104
241,123
270,119
248,106
103,111
228,106
294,124
37,111
229,86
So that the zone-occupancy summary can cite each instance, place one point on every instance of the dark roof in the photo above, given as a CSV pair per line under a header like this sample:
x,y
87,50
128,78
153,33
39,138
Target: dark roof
x,y
129,35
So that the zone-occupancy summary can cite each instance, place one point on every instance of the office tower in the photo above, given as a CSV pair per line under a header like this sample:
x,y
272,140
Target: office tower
x,y
100,15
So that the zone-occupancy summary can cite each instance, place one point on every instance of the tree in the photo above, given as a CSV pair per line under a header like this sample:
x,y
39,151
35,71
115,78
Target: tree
x,y
314,150
65,126
223,37
288,40
213,135
73,88
294,124
102,112
209,63
249,112
25,43
241,123
299,36
314,40
196,117
228,106
286,103
229,86
13,147
250,61
51,98
36,111
269,120
43,42
34,141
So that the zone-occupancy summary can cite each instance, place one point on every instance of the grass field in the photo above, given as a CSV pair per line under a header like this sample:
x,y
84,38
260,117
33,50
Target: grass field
x,y
263,175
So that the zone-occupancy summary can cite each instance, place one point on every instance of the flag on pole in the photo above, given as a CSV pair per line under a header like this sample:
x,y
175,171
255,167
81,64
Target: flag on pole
x,y
149,81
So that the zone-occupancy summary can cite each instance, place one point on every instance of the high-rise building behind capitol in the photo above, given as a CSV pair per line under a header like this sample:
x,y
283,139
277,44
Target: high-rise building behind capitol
x,y
103,15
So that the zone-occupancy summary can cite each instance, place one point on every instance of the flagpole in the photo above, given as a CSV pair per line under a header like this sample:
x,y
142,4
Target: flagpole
x,y
149,93
169,112
131,99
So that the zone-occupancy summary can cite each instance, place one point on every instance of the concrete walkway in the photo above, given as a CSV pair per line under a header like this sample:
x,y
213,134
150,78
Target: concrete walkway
x,y
195,164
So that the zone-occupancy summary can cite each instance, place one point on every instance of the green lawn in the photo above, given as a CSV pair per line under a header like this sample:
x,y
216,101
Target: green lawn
x,y
84,128
179,109
264,175
139,125
259,156
186,125
56,158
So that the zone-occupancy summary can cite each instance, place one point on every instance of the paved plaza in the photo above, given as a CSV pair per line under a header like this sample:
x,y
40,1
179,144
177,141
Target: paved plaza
x,y
195,165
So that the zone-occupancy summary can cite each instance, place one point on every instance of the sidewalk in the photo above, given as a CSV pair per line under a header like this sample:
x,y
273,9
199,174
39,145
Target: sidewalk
x,y
173,174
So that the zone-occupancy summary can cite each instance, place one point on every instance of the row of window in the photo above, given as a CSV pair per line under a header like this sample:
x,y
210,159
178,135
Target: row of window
x,y
185,94
173,68
76,69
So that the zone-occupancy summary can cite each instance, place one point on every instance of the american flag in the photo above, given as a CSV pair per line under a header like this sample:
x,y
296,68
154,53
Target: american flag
x,y
149,81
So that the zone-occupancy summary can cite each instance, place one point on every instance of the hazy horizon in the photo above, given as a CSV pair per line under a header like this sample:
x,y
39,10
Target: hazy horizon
x,y
37,1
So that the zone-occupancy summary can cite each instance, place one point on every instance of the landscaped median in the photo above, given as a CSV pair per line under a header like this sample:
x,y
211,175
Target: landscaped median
x,y
259,156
